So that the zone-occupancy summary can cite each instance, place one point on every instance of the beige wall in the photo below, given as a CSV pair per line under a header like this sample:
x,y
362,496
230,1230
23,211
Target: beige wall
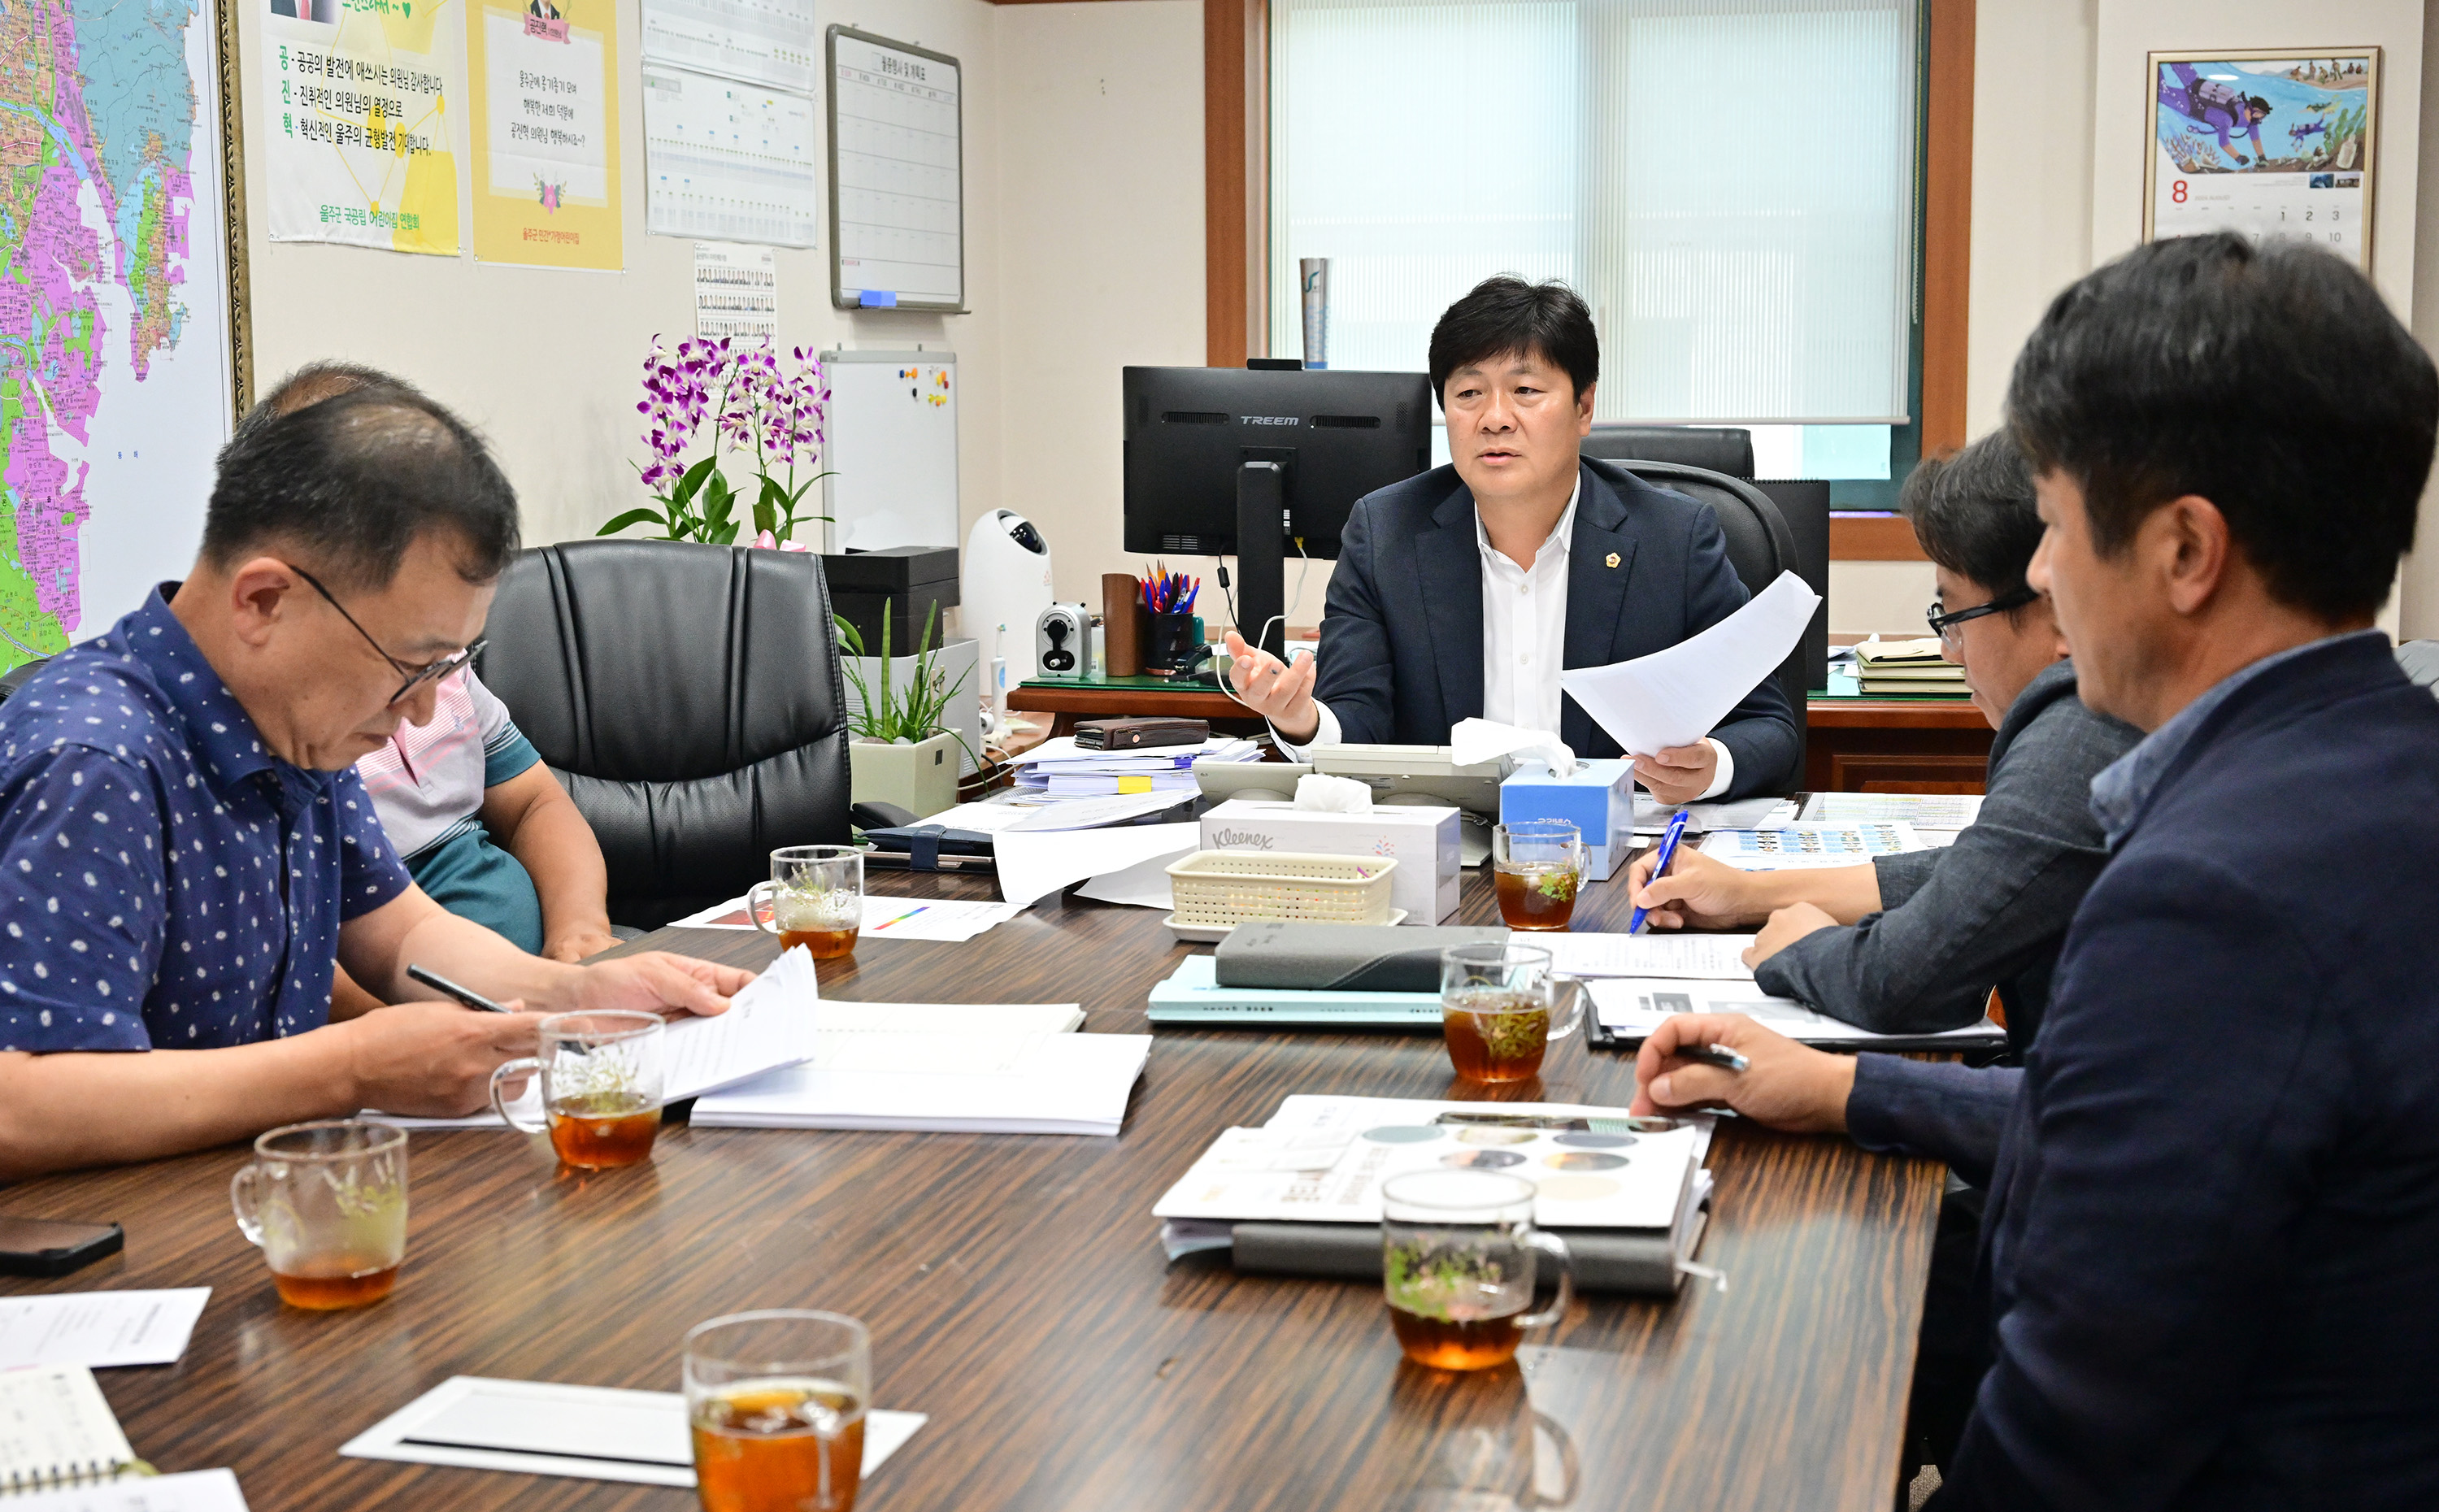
x,y
547,361
1101,258
1085,224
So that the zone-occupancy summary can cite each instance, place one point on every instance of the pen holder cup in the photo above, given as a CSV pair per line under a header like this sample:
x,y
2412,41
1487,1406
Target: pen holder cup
x,y
1171,647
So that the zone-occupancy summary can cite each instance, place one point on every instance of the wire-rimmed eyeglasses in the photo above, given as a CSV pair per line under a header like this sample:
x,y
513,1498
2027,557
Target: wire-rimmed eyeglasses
x,y
416,676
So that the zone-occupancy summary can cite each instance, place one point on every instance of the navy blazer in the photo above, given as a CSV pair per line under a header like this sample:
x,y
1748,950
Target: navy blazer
x,y
1402,636
2210,1253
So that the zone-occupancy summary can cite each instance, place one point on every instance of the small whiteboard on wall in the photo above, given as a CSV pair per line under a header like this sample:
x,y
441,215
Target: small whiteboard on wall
x,y
898,197
893,450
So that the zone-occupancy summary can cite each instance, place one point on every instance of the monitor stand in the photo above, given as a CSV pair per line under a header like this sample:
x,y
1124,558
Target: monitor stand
x,y
1261,555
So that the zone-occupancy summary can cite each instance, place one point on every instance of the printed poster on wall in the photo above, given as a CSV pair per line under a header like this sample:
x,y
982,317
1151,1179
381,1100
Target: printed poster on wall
x,y
546,118
2271,143
358,92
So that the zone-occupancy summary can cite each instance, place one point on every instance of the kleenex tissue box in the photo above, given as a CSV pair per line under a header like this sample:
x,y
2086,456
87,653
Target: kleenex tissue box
x,y
1597,798
1423,838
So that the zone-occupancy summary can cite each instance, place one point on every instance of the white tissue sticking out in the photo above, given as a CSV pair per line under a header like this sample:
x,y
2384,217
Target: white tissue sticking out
x,y
1317,793
1477,741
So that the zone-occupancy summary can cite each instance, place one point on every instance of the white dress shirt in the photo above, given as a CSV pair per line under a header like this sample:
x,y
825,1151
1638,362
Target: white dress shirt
x,y
1523,641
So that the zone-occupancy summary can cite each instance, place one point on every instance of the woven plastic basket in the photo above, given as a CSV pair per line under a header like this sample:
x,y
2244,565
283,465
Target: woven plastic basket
x,y
1222,888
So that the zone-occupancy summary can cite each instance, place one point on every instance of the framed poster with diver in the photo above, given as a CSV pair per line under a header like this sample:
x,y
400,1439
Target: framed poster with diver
x,y
2276,143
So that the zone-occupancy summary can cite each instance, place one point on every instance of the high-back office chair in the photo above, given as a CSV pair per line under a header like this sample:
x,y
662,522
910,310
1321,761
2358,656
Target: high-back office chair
x,y
1721,449
18,676
689,698
1760,547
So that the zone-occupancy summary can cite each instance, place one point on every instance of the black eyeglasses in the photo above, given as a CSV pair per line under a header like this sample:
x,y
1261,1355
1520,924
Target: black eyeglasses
x,y
416,676
1941,623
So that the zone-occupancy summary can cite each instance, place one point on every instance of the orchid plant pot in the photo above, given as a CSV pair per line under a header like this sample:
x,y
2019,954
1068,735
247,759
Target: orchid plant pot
x,y
921,776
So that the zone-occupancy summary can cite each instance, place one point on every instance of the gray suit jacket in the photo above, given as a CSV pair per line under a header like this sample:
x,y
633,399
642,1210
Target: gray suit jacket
x,y
1401,640
1990,910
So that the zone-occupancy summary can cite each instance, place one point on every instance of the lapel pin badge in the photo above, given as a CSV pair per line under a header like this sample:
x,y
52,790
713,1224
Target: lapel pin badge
x,y
1612,558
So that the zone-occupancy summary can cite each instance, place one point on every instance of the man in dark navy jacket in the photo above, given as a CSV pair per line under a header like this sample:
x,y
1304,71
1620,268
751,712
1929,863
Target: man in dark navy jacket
x,y
2211,1255
1463,591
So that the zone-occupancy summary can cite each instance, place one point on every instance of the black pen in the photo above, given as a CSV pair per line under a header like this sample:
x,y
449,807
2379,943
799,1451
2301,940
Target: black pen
x,y
473,999
1714,1055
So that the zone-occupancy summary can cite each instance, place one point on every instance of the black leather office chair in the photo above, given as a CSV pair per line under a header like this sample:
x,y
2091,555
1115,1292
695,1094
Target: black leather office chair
x,y
1720,449
18,676
689,698
1760,547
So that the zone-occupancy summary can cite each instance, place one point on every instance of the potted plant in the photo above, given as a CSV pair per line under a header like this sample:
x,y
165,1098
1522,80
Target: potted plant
x,y
902,753
759,413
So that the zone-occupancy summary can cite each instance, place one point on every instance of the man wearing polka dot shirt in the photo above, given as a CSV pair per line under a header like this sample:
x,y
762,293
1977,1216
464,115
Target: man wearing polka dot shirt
x,y
185,849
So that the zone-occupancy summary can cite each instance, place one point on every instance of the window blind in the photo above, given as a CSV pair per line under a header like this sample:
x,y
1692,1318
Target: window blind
x,y
1730,184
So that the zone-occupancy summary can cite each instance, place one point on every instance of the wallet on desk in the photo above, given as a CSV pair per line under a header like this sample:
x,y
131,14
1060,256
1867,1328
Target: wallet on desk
x,y
1137,732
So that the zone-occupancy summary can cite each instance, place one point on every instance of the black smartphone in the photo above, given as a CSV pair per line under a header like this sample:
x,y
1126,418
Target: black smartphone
x,y
34,1246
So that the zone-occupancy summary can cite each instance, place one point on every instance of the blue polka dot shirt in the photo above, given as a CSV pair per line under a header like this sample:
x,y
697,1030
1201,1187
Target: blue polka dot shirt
x,y
164,880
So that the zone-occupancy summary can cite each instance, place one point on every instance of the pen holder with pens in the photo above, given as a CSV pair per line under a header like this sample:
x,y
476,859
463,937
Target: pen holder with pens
x,y
1171,646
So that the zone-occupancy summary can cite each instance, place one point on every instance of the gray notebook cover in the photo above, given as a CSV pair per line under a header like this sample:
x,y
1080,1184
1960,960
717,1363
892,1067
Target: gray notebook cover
x,y
1629,1260
1356,957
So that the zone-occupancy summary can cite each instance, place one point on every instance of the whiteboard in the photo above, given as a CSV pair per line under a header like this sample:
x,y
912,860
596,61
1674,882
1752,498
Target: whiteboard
x,y
893,450
897,209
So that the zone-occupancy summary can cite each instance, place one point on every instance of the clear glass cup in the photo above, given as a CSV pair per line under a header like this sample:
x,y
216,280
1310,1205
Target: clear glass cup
x,y
602,1075
1459,1256
1500,1010
776,1402
1537,867
326,1203
815,899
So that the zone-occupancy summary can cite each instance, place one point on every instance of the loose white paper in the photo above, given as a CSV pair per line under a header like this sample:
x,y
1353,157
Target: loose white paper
x,y
1924,810
1651,816
194,1491
949,920
1718,956
1637,1004
99,1329
1034,865
1676,697
1091,813
590,1433
769,1023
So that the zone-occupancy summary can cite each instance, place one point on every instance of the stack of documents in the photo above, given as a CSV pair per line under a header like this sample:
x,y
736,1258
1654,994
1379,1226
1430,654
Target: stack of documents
x,y
1924,810
1638,980
1302,1193
767,1026
1805,845
891,918
994,1068
1906,667
1651,816
1060,770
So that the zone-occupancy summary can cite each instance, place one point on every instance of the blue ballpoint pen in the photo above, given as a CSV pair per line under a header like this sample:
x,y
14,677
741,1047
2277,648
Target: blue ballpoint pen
x,y
1667,854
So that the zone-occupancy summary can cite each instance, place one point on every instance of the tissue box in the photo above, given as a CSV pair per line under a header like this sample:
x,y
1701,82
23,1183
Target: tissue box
x,y
1423,838
1597,798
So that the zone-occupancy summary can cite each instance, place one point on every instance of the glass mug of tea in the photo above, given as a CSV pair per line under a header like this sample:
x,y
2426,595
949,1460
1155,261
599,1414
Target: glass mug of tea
x,y
816,898
1537,867
326,1203
776,1401
601,1078
1500,1010
1459,1256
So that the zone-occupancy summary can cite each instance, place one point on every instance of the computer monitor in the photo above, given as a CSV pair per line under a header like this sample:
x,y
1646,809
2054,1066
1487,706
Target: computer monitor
x,y
1207,448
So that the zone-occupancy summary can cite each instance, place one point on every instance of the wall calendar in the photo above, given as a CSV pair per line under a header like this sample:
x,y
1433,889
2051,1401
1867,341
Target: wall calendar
x,y
2267,143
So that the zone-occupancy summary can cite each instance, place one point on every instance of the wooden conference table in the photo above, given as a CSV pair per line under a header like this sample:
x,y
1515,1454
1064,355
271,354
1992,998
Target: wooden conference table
x,y
1016,1291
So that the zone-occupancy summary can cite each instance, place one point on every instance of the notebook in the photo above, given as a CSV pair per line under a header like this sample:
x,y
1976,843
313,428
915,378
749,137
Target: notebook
x,y
194,1491
57,1430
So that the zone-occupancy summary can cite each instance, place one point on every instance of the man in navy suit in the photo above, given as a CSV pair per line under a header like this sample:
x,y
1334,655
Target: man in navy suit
x,y
2209,1272
1463,591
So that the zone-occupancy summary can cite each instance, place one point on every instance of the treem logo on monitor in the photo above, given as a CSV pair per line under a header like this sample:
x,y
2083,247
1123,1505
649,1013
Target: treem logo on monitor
x,y
1269,419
